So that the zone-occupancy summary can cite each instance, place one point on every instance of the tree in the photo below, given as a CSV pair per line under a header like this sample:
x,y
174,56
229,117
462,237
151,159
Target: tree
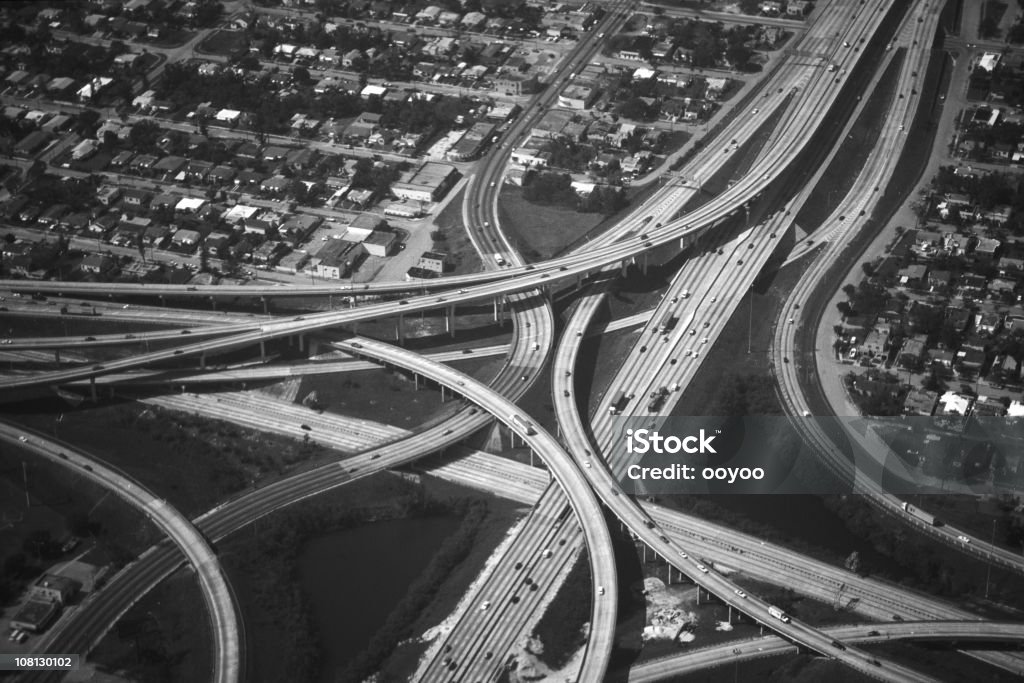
x,y
300,75
144,135
989,27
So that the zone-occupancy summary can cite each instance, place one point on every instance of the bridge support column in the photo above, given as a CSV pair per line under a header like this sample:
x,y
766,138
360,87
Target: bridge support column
x,y
400,330
495,310
645,557
442,394
266,304
314,347
643,266
263,351
730,614
416,381
92,388
698,595
494,438
213,303
202,360
449,321
302,342
624,268
56,356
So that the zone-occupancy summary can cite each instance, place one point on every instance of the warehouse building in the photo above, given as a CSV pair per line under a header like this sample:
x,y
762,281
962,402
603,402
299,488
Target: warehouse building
x,y
429,183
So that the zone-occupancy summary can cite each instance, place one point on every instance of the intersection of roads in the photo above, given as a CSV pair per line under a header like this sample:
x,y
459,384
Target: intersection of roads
x,y
582,477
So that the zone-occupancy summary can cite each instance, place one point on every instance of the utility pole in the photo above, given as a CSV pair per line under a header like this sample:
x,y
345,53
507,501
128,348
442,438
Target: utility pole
x,y
750,316
988,574
28,503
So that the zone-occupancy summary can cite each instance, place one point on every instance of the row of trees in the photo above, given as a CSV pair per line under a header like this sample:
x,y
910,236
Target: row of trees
x,y
556,188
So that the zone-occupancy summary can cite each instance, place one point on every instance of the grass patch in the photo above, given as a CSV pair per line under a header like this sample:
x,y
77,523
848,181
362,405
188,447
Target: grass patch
x,y
938,662
388,396
192,461
561,629
165,637
222,42
456,242
853,153
530,225
756,314
60,502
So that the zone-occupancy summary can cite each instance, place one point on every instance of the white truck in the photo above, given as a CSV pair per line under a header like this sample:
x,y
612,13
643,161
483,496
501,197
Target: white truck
x,y
499,259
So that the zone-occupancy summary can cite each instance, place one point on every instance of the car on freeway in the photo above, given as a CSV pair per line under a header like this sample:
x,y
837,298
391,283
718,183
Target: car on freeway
x,y
702,568
306,427
600,590
740,593
23,438
485,605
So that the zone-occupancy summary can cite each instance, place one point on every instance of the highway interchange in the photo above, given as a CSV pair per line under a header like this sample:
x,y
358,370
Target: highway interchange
x,y
708,289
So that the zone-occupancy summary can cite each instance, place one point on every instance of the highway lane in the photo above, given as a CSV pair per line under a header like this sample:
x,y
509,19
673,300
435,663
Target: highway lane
x,y
679,556
594,258
581,497
736,651
669,232
87,628
860,201
256,371
478,636
213,583
748,555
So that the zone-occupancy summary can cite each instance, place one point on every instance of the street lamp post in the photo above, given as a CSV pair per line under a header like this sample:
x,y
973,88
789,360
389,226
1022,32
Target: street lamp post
x,y
988,574
750,316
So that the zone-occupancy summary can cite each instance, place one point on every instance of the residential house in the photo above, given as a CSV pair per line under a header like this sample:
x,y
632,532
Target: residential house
x,y
913,276
185,240
135,198
277,185
920,402
912,353
988,322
